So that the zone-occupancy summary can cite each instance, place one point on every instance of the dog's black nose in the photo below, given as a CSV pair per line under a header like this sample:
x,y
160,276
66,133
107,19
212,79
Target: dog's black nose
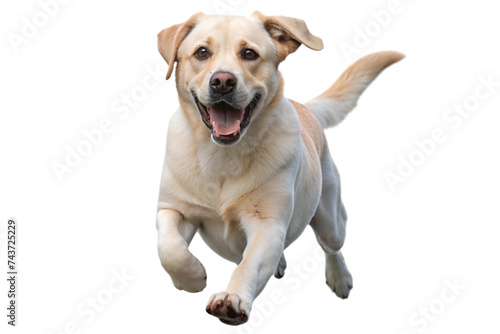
x,y
222,82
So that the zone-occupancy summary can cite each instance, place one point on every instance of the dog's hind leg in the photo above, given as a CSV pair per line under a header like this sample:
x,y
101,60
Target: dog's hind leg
x,y
329,225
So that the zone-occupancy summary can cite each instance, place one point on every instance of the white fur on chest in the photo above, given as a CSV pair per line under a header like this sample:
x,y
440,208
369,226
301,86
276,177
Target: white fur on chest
x,y
201,178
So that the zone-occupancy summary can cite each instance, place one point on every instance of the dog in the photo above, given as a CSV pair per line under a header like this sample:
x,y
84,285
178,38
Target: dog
x,y
245,167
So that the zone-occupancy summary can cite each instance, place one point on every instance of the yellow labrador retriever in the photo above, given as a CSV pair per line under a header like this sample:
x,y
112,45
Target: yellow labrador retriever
x,y
246,167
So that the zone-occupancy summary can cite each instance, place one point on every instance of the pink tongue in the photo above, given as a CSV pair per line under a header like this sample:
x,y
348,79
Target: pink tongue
x,y
227,120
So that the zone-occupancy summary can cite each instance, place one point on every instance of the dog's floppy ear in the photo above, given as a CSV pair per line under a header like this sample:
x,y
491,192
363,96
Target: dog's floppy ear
x,y
169,40
288,34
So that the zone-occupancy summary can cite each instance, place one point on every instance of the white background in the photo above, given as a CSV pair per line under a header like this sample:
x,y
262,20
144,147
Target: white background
x,y
403,245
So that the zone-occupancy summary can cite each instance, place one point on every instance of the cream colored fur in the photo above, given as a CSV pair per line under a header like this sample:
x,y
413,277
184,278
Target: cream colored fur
x,y
251,199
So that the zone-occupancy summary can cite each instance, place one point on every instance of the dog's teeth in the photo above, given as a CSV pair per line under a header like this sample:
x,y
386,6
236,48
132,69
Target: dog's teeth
x,y
213,129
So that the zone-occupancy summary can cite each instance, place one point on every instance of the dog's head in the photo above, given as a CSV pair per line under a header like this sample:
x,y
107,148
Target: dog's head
x,y
227,67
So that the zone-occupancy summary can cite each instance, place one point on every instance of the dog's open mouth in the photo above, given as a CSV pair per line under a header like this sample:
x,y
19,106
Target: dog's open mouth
x,y
226,122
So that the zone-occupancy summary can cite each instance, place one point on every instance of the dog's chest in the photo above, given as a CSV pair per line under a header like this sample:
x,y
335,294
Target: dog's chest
x,y
204,190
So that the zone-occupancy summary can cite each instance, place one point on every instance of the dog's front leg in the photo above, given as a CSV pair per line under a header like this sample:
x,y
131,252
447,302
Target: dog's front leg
x,y
174,236
265,243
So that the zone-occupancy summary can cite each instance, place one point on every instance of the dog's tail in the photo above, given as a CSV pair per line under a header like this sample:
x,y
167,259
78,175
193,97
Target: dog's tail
x,y
331,107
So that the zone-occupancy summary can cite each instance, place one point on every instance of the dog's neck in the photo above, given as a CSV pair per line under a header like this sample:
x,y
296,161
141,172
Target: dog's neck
x,y
276,129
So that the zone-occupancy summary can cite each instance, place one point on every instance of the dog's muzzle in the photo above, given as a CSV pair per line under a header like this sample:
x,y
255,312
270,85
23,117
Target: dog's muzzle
x,y
224,121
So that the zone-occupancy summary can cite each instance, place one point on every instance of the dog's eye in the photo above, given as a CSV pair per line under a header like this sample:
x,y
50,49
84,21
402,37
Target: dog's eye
x,y
249,54
201,53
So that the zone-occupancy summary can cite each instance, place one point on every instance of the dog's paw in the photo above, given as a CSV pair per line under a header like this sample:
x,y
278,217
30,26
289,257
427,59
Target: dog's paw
x,y
280,268
229,308
340,285
190,277
338,277
191,284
